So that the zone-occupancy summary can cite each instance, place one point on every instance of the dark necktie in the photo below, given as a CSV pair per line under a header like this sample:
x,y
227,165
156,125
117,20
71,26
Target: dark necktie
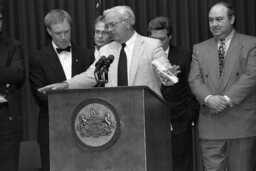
x,y
221,53
122,68
59,50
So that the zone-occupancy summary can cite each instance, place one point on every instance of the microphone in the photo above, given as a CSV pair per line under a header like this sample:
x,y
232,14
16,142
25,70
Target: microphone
x,y
101,70
106,64
99,64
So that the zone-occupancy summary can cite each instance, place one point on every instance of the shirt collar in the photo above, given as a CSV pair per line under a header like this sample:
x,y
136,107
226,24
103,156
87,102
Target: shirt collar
x,y
129,43
55,46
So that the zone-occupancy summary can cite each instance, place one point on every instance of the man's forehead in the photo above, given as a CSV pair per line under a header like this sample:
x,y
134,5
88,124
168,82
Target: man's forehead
x,y
217,11
100,26
112,17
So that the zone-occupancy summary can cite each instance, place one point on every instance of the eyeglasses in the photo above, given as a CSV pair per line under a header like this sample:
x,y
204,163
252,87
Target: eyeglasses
x,y
103,33
113,24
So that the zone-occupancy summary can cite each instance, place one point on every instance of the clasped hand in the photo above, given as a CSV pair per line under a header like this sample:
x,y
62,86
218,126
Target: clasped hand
x,y
218,103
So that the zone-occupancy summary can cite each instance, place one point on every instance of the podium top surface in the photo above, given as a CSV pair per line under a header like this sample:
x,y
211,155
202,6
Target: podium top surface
x,y
112,88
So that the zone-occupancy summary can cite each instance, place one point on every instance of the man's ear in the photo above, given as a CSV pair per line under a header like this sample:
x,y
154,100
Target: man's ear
x,y
170,37
232,20
49,31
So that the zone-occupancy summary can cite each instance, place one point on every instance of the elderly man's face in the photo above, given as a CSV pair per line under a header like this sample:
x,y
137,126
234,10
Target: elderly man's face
x,y
116,26
219,22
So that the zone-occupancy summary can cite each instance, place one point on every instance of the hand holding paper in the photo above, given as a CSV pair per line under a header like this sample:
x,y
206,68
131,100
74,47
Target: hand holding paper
x,y
166,72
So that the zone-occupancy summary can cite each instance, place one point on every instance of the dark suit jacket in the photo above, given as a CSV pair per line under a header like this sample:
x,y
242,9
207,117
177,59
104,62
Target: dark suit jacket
x,y
45,69
238,81
182,103
12,77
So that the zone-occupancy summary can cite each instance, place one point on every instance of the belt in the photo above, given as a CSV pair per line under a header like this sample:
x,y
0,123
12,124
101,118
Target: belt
x,y
4,105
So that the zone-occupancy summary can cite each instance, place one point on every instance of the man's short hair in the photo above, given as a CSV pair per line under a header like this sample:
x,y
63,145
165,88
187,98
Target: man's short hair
x,y
160,23
56,16
230,8
98,20
125,13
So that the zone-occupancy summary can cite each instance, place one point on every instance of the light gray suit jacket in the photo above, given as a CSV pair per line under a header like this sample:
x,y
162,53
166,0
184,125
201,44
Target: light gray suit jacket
x,y
141,72
238,81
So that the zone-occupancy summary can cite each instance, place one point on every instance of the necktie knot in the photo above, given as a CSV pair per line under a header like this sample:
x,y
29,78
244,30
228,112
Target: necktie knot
x,y
123,45
67,49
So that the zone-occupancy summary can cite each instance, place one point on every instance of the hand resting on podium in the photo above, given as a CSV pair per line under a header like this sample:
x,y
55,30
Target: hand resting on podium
x,y
56,86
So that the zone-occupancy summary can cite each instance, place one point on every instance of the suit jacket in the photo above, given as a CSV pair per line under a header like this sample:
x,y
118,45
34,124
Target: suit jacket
x,y
45,68
184,108
12,77
141,71
238,81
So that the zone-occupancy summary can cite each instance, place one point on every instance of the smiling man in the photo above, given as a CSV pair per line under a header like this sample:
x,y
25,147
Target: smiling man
x,y
223,78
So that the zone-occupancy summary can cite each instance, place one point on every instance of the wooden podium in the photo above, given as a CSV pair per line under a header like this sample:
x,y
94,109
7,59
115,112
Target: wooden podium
x,y
109,129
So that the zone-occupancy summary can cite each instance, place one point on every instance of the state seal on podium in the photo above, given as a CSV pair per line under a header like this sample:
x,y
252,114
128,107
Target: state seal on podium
x,y
95,124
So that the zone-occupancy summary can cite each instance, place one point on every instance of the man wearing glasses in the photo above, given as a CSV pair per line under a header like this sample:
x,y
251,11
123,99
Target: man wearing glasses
x,y
101,35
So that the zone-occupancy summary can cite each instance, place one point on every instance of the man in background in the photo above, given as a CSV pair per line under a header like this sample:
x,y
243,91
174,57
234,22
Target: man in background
x,y
223,79
101,35
11,79
57,62
184,108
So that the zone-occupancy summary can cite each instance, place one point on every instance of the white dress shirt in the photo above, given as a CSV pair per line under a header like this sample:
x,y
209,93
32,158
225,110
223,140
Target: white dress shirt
x,y
65,60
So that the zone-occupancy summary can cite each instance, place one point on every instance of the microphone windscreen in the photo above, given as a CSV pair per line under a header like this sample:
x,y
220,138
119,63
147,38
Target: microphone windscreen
x,y
111,58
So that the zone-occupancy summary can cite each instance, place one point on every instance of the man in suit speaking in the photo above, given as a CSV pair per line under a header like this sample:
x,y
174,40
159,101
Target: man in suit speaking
x,y
133,56
223,78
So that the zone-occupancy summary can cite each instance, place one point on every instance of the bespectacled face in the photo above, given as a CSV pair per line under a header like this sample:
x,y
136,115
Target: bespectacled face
x,y
219,22
116,26
101,34
60,33
162,36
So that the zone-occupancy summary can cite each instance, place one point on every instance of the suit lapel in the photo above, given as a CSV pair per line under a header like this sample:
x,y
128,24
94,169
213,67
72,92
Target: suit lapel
x,y
230,61
136,57
212,61
75,61
54,62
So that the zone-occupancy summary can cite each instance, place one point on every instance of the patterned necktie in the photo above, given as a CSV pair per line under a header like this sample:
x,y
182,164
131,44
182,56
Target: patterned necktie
x,y
221,53
122,68
67,49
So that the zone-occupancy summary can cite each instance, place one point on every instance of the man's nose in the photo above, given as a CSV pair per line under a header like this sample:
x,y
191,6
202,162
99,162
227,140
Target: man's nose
x,y
63,35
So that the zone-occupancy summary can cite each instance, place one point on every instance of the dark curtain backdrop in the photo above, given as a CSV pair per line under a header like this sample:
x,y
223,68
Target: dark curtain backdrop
x,y
24,22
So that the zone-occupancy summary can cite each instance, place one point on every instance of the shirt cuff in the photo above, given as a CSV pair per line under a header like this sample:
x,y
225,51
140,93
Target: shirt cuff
x,y
207,97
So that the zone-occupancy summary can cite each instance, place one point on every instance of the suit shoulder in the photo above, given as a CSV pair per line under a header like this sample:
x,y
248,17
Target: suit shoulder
x,y
150,41
246,38
205,43
180,50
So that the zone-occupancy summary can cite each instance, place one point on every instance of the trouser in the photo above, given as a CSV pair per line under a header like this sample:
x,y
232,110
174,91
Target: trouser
x,y
228,155
9,140
182,151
